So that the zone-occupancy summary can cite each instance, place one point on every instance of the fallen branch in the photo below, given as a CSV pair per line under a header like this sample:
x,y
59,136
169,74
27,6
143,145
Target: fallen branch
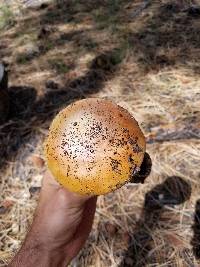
x,y
179,133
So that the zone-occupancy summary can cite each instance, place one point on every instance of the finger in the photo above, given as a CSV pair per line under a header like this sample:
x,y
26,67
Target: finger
x,y
50,187
83,229
49,180
73,199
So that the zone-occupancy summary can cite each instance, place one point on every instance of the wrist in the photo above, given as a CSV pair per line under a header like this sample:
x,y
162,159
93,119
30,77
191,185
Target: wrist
x,y
35,253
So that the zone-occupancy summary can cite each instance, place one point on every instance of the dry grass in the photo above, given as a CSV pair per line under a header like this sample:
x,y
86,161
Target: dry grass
x,y
148,64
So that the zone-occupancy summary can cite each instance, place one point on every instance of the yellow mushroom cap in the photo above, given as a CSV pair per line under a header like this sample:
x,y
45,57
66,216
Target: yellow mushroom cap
x,y
94,147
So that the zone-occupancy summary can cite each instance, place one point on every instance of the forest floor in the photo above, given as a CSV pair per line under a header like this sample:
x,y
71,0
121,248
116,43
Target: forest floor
x,y
145,56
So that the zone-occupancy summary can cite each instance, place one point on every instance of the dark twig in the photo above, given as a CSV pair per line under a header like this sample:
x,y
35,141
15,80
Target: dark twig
x,y
186,133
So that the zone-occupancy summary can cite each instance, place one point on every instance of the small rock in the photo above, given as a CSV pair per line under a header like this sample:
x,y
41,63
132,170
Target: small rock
x,y
51,84
111,228
37,161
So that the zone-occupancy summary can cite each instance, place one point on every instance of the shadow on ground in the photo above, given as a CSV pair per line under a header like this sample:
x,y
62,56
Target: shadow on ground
x,y
167,35
171,37
173,191
27,112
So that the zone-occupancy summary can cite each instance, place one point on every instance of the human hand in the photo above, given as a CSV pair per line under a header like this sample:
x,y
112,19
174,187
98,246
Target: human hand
x,y
60,227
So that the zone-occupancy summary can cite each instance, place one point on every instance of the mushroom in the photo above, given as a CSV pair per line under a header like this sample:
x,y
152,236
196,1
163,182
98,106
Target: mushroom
x,y
94,146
